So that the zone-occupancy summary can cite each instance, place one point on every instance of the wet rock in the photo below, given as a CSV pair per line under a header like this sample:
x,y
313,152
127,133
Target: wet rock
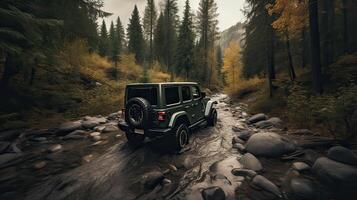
x,y
310,156
69,127
335,173
240,147
270,123
269,145
55,148
172,167
114,116
4,146
13,148
99,128
249,161
238,128
96,138
75,135
243,172
40,165
244,135
343,155
39,139
263,183
237,140
89,124
152,179
110,128
302,132
213,193
256,118
98,120
301,188
8,157
94,134
300,166
88,158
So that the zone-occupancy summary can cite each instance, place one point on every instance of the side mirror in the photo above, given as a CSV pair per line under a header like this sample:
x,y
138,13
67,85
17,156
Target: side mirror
x,y
203,95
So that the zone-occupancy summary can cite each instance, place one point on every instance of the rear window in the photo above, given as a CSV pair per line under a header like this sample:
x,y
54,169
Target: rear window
x,y
172,95
148,93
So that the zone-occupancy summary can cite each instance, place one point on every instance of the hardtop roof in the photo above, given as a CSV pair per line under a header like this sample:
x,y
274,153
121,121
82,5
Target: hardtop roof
x,y
163,83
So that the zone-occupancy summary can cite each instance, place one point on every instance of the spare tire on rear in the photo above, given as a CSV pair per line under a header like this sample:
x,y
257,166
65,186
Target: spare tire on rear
x,y
138,113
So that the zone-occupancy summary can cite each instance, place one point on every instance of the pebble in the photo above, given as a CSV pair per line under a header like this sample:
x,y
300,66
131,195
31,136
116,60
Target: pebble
x,y
55,148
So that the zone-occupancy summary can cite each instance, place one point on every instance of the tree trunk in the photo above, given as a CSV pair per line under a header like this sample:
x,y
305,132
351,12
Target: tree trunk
x,y
331,31
291,65
315,46
303,53
345,26
325,33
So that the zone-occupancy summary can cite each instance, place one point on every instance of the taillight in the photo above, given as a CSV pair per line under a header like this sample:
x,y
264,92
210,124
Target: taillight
x,y
161,116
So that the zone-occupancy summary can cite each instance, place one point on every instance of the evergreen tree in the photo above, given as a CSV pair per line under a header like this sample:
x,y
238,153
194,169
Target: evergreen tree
x,y
135,36
185,47
120,36
159,37
170,37
103,40
219,64
149,23
208,29
113,43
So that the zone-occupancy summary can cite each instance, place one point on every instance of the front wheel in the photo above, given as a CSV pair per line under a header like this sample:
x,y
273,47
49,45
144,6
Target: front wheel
x,y
180,137
134,139
212,119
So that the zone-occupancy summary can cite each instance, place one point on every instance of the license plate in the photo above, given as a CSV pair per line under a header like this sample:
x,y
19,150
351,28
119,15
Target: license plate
x,y
139,131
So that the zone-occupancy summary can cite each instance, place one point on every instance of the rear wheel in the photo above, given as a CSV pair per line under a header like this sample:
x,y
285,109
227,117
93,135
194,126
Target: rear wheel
x,y
180,137
212,119
134,139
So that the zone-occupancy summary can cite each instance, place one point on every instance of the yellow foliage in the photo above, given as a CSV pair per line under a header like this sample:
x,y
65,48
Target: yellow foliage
x,y
236,85
293,16
156,75
129,69
232,67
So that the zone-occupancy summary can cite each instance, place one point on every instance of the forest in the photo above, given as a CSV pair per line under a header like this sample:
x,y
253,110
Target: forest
x,y
297,59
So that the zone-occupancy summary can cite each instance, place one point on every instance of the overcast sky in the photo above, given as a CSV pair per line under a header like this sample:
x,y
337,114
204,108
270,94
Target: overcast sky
x,y
230,11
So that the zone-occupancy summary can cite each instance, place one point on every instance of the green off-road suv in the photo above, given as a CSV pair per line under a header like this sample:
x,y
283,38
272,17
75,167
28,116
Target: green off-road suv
x,y
165,109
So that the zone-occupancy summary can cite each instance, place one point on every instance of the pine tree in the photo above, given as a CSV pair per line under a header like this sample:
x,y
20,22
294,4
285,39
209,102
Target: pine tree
x,y
103,40
208,29
159,37
120,36
149,24
185,47
113,43
219,64
135,36
170,38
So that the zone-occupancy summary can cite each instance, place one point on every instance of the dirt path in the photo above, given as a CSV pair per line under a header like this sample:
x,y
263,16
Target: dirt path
x,y
115,171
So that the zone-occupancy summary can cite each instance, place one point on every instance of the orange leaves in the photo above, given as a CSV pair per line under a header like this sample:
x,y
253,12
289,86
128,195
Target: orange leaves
x,y
293,16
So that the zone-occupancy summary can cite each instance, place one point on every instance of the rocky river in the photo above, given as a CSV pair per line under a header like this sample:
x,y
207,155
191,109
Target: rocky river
x,y
243,157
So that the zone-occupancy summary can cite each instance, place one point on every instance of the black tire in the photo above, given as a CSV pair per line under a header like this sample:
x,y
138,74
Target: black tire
x,y
180,137
134,139
138,113
212,119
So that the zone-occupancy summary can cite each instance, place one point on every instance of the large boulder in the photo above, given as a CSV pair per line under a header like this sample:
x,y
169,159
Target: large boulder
x,y
342,178
270,123
69,127
269,145
257,118
342,154
249,161
151,179
92,122
213,193
263,183
301,188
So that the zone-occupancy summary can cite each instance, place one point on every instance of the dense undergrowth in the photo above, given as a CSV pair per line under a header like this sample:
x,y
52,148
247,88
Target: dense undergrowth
x,y
78,83
332,113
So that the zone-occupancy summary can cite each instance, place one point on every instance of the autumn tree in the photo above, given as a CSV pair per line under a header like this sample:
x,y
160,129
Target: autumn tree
x,y
135,36
292,19
232,66
149,22
185,46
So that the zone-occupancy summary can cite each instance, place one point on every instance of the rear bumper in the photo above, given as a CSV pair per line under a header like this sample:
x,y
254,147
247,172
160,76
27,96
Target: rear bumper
x,y
148,132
